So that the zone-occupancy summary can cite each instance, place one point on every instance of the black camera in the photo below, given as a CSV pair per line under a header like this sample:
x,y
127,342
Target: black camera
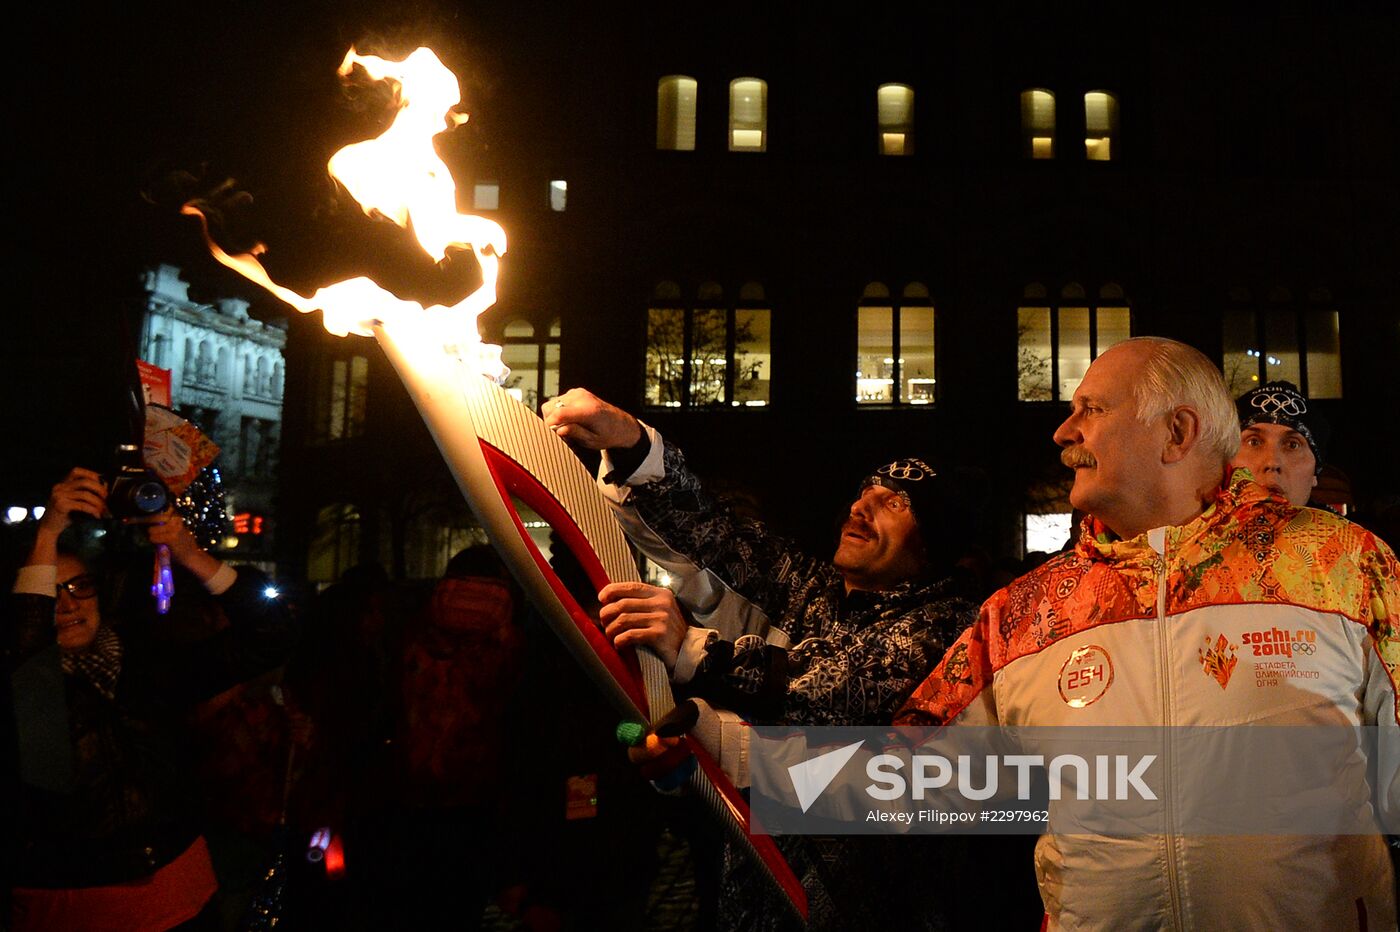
x,y
135,491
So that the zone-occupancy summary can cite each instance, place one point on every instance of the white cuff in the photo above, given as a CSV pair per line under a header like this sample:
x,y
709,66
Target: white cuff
x,y
691,652
38,579
652,468
725,735
219,583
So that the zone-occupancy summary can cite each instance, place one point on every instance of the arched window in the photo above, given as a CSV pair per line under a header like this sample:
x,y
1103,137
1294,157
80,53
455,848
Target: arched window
x,y
1101,126
894,107
675,112
708,352
204,364
895,359
1038,123
533,361
748,115
1057,340
1280,338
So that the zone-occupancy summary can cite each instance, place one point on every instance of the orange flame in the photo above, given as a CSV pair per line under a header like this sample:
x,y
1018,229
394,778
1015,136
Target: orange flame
x,y
398,175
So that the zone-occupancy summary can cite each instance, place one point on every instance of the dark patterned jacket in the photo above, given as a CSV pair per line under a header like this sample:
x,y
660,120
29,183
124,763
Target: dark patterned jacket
x,y
833,659
852,658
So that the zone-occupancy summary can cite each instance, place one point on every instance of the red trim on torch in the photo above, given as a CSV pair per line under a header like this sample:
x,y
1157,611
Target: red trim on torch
x,y
512,478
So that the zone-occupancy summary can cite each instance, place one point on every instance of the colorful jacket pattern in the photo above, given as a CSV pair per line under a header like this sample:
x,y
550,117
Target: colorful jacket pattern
x,y
1256,612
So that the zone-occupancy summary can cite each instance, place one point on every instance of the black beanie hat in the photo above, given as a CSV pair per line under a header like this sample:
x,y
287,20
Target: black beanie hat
x,y
1281,403
913,479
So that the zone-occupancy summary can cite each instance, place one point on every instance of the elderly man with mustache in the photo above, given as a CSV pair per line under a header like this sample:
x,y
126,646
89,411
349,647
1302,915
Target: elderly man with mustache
x,y
1194,598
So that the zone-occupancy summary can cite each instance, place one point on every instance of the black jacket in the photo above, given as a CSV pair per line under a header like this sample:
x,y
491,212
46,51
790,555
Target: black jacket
x,y
119,800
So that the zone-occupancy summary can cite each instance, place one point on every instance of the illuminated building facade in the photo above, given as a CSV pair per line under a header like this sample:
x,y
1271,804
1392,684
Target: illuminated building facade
x,y
226,377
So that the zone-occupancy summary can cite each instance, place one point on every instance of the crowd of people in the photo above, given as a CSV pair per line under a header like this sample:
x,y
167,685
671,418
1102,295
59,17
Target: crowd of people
x,y
389,757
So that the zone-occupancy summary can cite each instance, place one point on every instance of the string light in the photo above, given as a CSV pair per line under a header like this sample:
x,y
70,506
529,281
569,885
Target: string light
x,y
203,505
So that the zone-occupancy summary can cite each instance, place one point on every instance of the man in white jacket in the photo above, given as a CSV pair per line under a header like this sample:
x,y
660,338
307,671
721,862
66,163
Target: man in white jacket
x,y
1193,598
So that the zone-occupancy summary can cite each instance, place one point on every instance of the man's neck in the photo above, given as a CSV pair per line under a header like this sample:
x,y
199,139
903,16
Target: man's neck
x,y
857,584
1168,514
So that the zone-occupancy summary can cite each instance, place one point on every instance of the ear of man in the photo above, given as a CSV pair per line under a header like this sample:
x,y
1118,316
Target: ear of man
x,y
1183,434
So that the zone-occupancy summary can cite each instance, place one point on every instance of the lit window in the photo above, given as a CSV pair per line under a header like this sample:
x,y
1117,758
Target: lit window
x,y
895,347
1100,126
708,354
558,192
894,106
533,362
1038,124
675,113
1283,341
486,195
748,115
1047,533
340,398
335,543
1056,341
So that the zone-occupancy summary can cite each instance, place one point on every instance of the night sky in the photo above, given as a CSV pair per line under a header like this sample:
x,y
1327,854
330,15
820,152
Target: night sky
x,y
125,112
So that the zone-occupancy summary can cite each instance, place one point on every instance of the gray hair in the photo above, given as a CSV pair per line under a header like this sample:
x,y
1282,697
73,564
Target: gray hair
x,y
1175,374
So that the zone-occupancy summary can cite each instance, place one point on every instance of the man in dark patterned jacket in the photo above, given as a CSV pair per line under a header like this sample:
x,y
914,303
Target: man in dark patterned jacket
x,y
799,640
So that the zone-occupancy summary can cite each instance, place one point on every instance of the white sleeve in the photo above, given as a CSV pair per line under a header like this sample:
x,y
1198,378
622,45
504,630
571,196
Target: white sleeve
x,y
652,468
37,579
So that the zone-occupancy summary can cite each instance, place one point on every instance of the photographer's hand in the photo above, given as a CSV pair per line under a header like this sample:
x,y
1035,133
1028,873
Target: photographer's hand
x,y
81,491
169,528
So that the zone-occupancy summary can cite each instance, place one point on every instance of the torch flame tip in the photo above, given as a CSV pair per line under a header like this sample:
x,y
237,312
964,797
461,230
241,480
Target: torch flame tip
x,y
399,176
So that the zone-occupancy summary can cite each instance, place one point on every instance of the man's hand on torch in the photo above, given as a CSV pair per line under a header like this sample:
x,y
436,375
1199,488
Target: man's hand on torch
x,y
638,615
581,417
658,752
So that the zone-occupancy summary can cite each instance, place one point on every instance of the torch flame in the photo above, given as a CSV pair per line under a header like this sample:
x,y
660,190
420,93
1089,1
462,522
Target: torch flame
x,y
398,175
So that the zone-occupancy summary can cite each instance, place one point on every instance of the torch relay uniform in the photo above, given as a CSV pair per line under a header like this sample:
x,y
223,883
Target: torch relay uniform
x,y
108,830
1172,613
790,646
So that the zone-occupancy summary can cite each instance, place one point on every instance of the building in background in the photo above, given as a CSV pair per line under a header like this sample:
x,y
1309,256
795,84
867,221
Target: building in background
x,y
226,375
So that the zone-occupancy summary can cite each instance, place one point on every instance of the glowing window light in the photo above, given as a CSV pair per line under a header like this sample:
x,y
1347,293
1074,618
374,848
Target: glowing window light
x,y
1100,125
675,113
894,106
1038,123
748,115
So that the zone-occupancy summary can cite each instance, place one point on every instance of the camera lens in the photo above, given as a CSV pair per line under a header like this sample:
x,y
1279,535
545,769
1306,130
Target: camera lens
x,y
148,497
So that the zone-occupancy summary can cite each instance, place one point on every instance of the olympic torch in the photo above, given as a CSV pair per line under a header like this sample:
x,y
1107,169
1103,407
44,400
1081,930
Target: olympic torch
x,y
495,447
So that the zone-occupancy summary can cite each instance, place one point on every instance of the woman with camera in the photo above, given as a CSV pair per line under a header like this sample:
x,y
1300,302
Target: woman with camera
x,y
108,829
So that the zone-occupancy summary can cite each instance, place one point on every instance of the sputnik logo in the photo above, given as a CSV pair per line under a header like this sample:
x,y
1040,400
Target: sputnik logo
x,y
1219,660
810,777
